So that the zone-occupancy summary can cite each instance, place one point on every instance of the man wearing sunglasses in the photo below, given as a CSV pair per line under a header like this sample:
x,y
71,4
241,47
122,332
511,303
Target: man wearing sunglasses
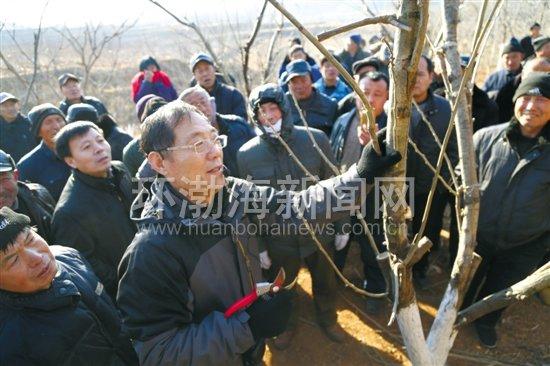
x,y
196,253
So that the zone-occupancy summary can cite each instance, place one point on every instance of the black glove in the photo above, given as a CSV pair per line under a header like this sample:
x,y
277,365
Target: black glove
x,y
268,318
371,164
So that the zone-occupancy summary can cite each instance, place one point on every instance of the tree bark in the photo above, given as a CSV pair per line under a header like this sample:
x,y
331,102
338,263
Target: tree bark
x,y
406,52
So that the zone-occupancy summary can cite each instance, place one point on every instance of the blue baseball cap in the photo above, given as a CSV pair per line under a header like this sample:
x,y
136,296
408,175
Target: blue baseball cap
x,y
198,57
296,68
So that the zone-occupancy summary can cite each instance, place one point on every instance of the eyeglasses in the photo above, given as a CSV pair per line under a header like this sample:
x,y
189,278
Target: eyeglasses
x,y
202,146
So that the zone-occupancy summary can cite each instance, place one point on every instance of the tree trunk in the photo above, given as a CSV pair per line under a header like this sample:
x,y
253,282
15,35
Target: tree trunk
x,y
406,53
442,333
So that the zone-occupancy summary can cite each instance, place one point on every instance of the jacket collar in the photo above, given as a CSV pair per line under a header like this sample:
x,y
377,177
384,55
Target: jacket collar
x,y
513,133
106,184
63,292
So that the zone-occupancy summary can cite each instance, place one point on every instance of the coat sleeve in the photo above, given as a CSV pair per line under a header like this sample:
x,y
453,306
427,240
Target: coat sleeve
x,y
330,200
67,231
158,312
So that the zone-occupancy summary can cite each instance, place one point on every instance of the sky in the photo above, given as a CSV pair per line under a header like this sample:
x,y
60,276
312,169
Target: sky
x,y
73,13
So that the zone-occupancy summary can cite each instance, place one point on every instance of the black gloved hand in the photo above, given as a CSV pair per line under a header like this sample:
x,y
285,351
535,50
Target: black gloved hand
x,y
269,318
371,164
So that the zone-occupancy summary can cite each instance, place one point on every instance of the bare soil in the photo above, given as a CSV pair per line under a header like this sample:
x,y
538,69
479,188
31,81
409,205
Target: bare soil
x,y
524,335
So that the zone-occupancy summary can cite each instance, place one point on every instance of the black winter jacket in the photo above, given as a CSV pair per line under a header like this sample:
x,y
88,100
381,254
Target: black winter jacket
x,y
36,202
182,272
93,216
229,100
319,111
74,322
515,192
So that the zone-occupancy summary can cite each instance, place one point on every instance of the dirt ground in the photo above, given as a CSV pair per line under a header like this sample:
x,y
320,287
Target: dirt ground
x,y
524,334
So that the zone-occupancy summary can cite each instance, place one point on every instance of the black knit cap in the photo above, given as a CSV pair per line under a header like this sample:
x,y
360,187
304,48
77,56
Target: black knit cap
x,y
82,112
512,46
11,225
536,83
38,113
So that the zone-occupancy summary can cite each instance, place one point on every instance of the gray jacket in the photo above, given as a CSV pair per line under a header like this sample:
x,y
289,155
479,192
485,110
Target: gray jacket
x,y
181,272
265,161
515,192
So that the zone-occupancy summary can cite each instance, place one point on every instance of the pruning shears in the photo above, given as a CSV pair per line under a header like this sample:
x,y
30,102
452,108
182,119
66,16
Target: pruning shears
x,y
260,289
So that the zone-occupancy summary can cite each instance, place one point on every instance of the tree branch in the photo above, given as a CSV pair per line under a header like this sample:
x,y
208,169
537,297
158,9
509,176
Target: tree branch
x,y
539,280
248,45
382,19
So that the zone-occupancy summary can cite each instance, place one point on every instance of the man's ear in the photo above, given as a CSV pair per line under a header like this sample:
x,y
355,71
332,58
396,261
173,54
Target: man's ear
x,y
157,162
70,161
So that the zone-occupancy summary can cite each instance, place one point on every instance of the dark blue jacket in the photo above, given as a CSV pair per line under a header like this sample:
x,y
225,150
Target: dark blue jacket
x,y
94,102
74,322
228,100
319,111
42,166
16,137
238,132
157,88
498,79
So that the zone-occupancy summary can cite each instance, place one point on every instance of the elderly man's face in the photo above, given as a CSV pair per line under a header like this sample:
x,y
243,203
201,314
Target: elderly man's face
x,y
198,175
532,112
301,86
71,90
50,127
205,74
90,154
202,102
512,60
9,110
8,188
28,265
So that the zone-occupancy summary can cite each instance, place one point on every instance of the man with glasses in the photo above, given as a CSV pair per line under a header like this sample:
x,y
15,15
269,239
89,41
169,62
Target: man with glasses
x,y
196,251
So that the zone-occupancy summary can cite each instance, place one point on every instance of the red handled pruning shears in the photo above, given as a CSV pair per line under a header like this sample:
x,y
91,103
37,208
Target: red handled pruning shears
x,y
261,289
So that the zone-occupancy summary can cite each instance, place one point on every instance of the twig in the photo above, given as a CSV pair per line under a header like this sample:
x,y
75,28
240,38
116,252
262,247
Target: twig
x,y
343,72
186,23
248,45
336,171
382,19
431,167
269,56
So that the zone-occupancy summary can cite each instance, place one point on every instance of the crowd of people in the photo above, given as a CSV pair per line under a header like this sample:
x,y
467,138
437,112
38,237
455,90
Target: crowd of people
x,y
121,250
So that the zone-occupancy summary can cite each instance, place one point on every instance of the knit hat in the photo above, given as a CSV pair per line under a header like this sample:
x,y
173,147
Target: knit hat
x,y
38,113
82,112
146,62
539,42
512,46
152,106
536,83
11,224
141,104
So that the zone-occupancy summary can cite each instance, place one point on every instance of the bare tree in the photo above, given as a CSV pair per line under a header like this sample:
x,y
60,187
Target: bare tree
x,y
90,43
